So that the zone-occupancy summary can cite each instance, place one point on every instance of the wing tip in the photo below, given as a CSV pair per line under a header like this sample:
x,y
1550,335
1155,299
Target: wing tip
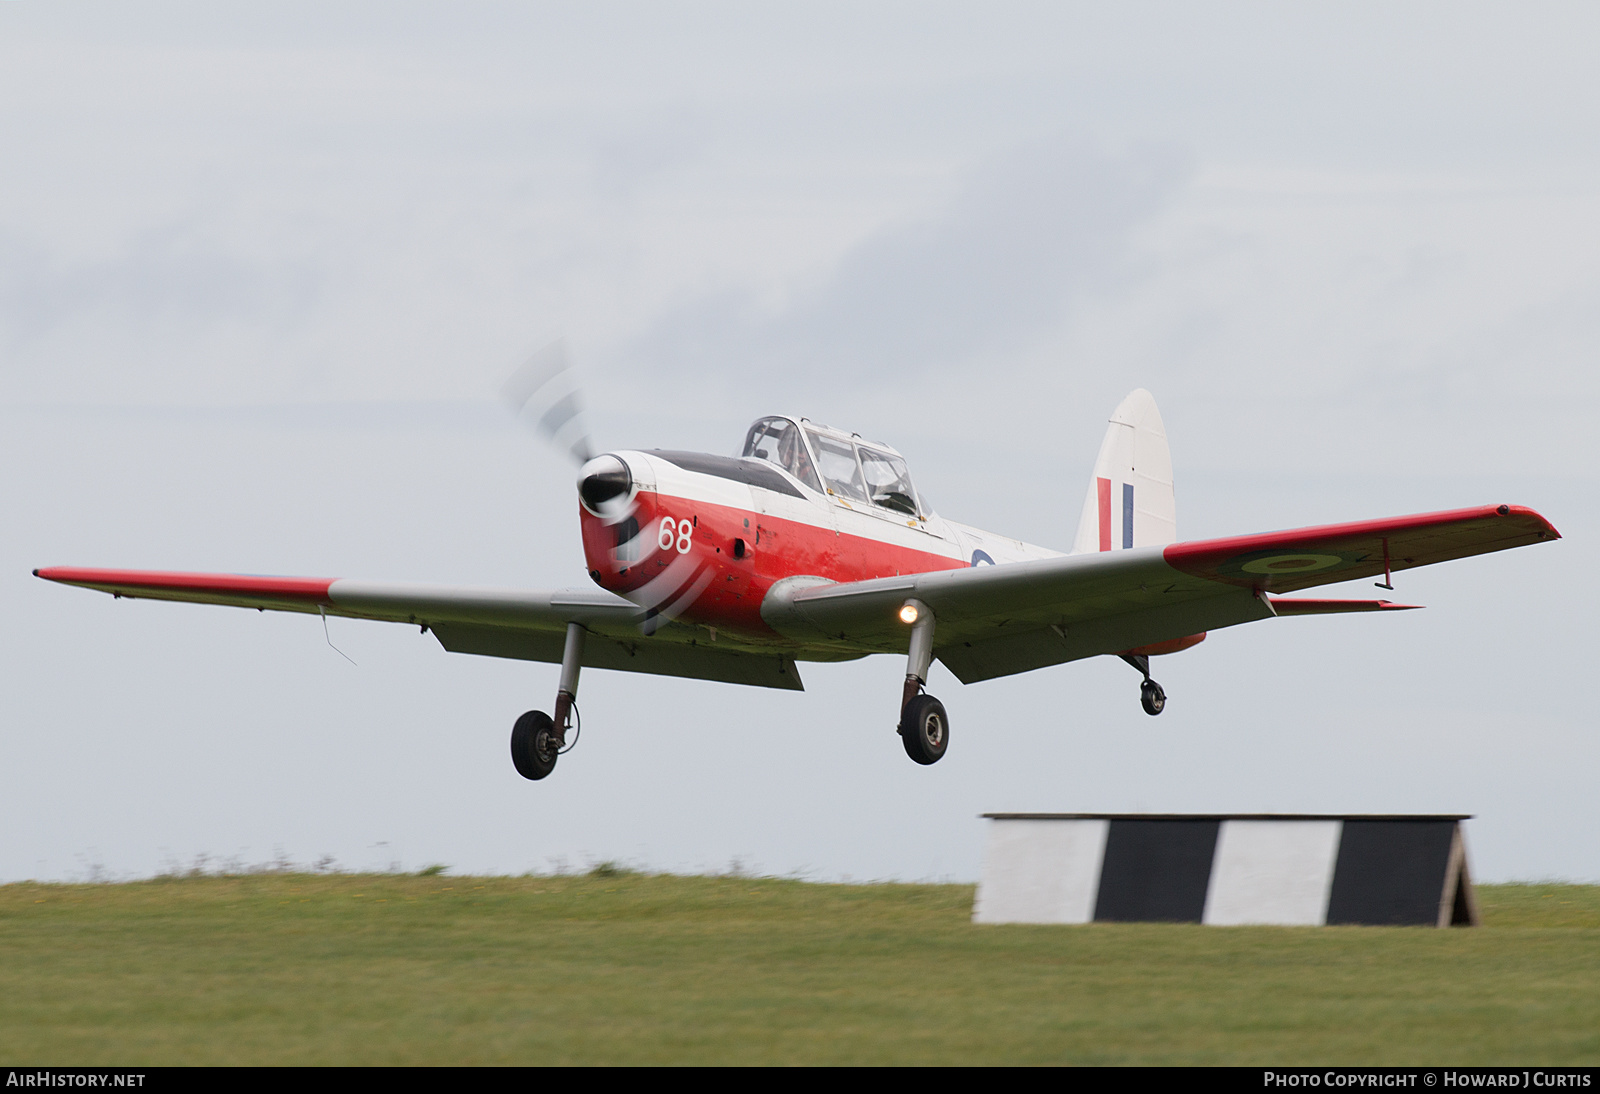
x,y
1546,531
204,586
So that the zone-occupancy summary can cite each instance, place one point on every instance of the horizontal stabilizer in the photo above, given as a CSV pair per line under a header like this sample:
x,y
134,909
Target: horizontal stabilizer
x,y
1309,606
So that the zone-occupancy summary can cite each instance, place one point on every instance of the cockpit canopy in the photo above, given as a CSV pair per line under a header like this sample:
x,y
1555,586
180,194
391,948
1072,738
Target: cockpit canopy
x,y
836,463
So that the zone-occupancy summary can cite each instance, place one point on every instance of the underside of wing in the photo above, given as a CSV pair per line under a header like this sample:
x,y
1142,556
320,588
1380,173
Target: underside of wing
x,y
661,654
998,620
517,623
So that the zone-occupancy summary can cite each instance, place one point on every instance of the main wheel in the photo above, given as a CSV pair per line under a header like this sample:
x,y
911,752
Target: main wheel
x,y
1152,698
925,729
533,745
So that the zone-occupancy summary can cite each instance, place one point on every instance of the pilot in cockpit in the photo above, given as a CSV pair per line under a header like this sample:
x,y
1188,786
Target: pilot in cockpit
x,y
779,441
793,458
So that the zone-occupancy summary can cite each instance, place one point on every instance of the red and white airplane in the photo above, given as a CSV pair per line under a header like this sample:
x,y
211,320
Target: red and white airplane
x,y
814,545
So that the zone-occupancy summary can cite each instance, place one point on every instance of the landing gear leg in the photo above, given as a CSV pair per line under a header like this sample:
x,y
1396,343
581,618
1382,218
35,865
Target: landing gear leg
x,y
924,727
1151,697
537,739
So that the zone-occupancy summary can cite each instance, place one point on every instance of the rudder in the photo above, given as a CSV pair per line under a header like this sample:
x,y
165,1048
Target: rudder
x,y
1130,501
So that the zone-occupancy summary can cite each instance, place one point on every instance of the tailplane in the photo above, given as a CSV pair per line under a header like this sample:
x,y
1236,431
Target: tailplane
x,y
1130,502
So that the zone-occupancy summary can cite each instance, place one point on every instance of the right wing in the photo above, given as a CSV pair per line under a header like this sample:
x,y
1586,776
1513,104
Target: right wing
x,y
997,620
516,623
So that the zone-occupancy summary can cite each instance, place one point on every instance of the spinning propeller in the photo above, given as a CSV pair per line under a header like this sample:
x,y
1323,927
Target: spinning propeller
x,y
545,393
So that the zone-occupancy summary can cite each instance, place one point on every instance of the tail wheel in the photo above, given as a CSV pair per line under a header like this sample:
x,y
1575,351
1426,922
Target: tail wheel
x,y
1152,698
534,746
925,729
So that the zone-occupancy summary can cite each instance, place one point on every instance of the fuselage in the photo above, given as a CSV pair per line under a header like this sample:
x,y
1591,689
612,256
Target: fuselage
x,y
704,538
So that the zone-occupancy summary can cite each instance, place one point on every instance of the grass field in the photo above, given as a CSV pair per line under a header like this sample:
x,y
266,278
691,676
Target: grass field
x,y
636,969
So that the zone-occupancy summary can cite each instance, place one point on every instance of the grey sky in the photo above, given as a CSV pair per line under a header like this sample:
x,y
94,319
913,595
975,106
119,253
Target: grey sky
x,y
263,267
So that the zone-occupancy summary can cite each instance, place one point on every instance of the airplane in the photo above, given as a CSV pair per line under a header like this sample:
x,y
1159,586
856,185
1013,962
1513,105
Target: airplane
x,y
814,545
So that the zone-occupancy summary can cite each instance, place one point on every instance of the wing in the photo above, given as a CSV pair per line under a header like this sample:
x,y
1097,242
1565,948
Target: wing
x,y
998,620
1307,557
517,623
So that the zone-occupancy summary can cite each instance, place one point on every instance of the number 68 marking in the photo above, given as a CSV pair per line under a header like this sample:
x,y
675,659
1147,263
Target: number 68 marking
x,y
679,533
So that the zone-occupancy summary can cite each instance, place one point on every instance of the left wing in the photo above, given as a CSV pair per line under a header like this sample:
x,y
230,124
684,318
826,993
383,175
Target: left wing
x,y
518,623
997,620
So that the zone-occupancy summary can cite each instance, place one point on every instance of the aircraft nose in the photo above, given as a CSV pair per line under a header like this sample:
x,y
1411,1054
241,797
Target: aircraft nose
x,y
602,481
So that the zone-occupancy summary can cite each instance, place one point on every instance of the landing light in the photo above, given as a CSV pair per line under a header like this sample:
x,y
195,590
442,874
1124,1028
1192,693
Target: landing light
x,y
908,613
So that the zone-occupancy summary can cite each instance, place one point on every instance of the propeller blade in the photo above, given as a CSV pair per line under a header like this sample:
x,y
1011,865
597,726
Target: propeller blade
x,y
545,392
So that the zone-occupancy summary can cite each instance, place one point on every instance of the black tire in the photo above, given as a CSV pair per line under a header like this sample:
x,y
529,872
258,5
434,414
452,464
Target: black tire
x,y
533,745
925,729
1152,698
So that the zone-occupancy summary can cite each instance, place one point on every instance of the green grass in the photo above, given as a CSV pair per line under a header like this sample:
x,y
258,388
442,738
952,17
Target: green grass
x,y
628,968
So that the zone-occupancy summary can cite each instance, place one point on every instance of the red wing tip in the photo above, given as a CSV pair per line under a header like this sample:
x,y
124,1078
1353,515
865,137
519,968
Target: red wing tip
x,y
155,582
1524,511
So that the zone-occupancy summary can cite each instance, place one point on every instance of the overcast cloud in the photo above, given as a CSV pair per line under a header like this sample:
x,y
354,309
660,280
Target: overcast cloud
x,y
985,272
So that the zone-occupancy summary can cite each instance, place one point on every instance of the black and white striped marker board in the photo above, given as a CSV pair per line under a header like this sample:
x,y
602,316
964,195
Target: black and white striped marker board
x,y
1289,869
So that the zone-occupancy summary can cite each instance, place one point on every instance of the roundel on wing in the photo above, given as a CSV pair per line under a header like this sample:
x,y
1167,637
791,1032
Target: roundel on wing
x,y
1290,564
1286,564
983,557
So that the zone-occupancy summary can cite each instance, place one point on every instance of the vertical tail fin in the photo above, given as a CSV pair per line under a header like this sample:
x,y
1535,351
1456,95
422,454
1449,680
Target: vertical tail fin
x,y
1130,501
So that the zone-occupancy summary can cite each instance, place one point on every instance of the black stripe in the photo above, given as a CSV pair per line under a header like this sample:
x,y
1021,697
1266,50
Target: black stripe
x,y
1390,872
1230,816
749,472
1156,870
